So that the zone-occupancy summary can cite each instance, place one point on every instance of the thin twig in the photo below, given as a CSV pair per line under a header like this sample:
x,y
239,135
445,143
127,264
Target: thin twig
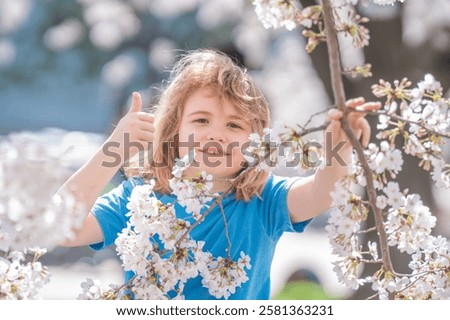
x,y
322,127
227,234
417,279
372,296
395,117
127,285
367,230
313,116
371,261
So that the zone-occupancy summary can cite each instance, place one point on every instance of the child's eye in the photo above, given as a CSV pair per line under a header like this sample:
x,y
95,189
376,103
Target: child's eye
x,y
201,120
234,125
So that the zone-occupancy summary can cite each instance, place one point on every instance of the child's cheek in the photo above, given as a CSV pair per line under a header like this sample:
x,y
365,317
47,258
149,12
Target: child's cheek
x,y
187,144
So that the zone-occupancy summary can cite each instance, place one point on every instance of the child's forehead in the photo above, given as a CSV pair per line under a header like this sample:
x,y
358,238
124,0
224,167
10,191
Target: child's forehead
x,y
206,98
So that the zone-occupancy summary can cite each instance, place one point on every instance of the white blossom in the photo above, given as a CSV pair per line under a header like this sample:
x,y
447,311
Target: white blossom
x,y
373,250
394,197
409,226
7,52
385,2
33,212
222,276
13,14
276,14
381,202
157,248
111,22
91,290
65,35
194,193
440,173
21,279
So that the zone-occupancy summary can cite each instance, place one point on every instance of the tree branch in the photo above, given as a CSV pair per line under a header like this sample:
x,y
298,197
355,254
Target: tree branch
x,y
339,98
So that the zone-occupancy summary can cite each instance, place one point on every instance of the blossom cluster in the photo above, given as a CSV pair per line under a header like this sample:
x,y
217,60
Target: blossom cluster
x,y
32,213
274,14
157,247
194,194
420,116
408,227
283,146
385,2
20,279
32,210
289,14
344,227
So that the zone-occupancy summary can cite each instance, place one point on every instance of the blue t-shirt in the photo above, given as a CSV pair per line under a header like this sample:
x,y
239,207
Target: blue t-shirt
x,y
254,227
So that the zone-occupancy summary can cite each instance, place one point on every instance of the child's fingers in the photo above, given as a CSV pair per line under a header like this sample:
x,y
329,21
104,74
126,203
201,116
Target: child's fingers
x,y
333,132
359,124
146,117
334,114
145,136
369,106
360,104
147,126
136,103
355,102
365,130
355,117
334,125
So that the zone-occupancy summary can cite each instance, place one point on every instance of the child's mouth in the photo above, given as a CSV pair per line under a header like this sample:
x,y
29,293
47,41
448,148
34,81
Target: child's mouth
x,y
214,151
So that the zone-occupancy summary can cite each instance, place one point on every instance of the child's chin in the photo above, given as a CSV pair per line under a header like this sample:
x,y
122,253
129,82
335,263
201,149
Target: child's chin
x,y
220,174
215,172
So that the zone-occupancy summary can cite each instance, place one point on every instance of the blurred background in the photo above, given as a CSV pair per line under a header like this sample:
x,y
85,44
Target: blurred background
x,y
68,67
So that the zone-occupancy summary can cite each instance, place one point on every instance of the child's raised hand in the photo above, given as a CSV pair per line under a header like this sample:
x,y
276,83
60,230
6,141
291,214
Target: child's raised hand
x,y
136,127
357,121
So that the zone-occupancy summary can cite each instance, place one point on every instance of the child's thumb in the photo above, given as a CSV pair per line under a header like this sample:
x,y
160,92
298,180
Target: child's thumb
x,y
136,103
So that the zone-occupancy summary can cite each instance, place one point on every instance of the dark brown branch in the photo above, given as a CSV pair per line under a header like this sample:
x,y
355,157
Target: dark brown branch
x,y
339,98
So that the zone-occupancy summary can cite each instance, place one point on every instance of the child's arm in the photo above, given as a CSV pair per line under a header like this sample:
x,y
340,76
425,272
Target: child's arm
x,y
311,196
89,181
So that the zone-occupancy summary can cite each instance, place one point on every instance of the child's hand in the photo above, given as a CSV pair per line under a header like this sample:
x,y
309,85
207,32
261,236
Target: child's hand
x,y
136,127
357,121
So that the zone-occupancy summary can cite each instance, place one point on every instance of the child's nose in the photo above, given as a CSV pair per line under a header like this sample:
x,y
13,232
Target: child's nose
x,y
215,135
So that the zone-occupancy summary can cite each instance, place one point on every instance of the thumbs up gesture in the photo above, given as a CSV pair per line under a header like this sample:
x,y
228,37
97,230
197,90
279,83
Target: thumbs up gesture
x,y
134,131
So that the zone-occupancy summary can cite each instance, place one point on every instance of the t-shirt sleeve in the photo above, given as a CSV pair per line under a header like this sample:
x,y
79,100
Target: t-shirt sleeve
x,y
110,210
275,209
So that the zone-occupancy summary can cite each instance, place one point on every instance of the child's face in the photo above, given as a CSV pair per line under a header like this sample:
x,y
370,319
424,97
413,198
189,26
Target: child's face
x,y
219,134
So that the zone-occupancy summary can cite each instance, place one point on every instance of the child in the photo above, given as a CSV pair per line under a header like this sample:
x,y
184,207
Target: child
x,y
212,106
